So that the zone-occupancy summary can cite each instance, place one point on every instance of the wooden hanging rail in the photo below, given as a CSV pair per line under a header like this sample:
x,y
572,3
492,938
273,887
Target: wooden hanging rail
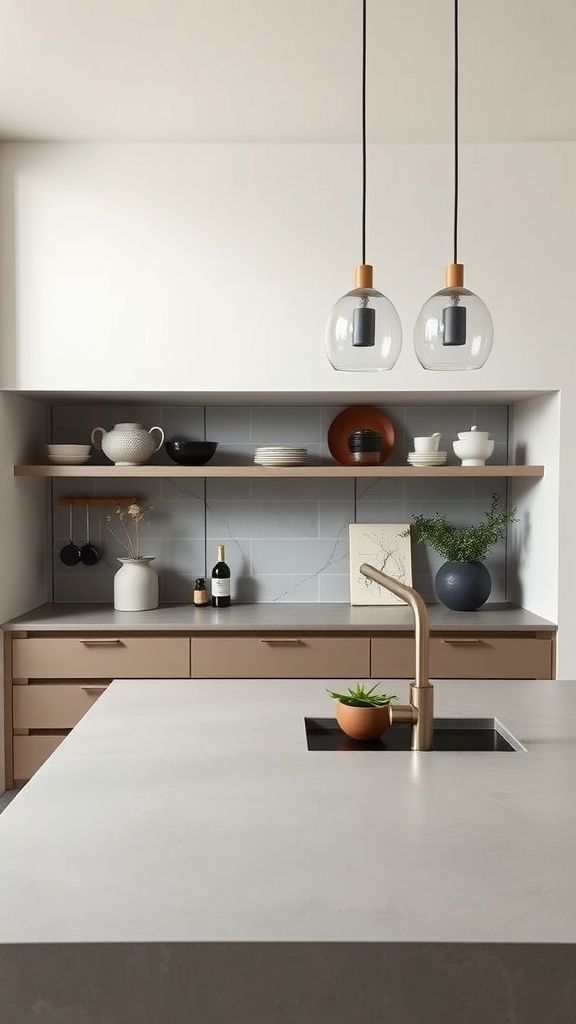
x,y
86,500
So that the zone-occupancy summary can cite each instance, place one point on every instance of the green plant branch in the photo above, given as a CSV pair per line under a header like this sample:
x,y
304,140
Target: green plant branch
x,y
463,543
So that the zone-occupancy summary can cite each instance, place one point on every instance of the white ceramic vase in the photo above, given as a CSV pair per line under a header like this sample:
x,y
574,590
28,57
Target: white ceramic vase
x,y
136,585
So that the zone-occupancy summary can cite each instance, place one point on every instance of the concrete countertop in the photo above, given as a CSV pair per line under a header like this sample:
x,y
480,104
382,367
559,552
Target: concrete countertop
x,y
279,616
191,811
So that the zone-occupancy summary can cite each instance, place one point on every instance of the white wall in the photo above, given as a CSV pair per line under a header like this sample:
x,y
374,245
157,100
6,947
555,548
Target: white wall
x,y
24,565
534,540
24,551
211,268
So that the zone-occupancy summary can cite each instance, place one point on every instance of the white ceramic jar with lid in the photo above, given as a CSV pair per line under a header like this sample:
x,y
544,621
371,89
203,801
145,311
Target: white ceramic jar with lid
x,y
473,447
473,435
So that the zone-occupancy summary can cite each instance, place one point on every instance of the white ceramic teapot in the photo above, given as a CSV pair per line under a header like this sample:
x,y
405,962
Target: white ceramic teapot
x,y
127,444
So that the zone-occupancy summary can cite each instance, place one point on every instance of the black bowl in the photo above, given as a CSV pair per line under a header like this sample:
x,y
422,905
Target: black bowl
x,y
190,453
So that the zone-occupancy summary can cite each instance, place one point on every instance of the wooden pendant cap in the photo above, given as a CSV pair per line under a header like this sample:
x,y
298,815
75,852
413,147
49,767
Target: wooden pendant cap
x,y
364,275
454,275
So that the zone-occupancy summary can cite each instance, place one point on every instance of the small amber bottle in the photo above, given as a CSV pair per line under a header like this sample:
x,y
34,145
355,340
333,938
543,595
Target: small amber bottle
x,y
201,597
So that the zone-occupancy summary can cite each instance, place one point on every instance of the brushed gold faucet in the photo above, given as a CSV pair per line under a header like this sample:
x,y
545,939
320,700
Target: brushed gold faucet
x,y
420,711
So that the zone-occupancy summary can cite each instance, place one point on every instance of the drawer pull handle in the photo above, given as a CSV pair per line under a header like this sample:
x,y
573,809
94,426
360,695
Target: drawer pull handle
x,y
464,640
101,640
94,689
281,640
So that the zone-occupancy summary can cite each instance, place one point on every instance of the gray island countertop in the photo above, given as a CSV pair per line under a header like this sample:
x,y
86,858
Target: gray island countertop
x,y
190,816
165,775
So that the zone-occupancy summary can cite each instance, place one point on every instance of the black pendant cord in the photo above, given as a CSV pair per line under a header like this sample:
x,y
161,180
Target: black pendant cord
x,y
363,131
456,139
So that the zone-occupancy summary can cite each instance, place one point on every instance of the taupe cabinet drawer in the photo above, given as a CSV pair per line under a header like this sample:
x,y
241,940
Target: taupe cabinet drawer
x,y
30,752
53,705
466,657
280,657
485,657
392,656
100,657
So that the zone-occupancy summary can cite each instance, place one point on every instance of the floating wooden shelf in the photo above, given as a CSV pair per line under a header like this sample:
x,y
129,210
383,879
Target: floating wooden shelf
x,y
267,472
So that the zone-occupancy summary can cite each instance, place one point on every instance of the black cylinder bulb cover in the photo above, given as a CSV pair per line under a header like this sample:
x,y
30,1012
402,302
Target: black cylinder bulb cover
x,y
363,327
454,325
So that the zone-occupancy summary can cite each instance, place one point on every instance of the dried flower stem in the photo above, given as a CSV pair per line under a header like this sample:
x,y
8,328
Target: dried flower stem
x,y
130,519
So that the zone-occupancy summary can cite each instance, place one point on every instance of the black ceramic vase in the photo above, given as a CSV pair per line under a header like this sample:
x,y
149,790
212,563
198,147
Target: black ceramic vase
x,y
463,586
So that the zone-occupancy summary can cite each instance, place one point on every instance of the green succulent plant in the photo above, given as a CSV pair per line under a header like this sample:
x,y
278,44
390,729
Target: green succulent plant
x,y
360,697
463,543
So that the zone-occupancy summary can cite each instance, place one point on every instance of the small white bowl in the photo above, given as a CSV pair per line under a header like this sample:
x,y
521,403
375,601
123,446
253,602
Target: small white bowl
x,y
473,452
68,449
68,460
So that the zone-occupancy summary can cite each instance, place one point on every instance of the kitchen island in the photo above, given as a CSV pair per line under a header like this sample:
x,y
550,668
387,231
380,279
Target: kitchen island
x,y
184,857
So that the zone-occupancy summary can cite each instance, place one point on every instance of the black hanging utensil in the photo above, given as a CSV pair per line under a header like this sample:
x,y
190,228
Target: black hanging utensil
x,y
89,553
70,553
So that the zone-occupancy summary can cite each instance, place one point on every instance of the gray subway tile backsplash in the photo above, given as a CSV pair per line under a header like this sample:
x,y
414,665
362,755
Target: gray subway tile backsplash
x,y
286,540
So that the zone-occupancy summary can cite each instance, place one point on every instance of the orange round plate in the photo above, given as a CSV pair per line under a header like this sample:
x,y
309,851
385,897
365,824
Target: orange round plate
x,y
358,417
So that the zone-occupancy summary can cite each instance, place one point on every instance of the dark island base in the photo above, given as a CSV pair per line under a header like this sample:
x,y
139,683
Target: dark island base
x,y
288,983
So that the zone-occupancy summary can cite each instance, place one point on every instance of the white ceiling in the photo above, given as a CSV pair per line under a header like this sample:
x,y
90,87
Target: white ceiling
x,y
284,70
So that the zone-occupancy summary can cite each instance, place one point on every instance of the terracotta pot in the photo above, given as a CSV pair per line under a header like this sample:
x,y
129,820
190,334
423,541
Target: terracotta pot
x,y
363,723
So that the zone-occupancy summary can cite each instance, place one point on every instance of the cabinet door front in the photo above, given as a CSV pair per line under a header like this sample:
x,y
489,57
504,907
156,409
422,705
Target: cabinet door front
x,y
280,657
393,657
491,657
100,657
30,752
53,705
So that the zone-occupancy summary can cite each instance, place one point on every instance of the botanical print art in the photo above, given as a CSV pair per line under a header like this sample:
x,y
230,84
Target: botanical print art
x,y
382,546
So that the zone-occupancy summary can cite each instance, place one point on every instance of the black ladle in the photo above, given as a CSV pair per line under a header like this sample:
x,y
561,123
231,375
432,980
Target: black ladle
x,y
70,554
89,553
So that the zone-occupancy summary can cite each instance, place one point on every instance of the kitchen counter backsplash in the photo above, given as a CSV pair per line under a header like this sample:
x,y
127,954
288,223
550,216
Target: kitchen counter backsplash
x,y
286,539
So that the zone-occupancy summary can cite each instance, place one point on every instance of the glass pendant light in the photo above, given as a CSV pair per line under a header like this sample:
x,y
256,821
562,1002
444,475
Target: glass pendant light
x,y
454,330
363,331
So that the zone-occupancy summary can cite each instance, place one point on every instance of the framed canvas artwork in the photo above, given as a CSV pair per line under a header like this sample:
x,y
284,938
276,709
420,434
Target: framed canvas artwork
x,y
383,546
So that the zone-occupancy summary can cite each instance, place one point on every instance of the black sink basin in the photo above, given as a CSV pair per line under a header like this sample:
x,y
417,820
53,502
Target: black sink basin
x,y
449,734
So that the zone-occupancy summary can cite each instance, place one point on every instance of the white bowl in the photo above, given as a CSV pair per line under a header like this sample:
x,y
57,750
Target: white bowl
x,y
68,449
473,452
68,460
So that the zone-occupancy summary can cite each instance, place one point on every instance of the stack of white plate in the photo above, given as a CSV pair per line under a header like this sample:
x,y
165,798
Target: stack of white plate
x,y
281,455
427,458
68,454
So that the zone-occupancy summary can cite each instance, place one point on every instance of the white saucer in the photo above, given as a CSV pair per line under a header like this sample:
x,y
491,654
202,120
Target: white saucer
x,y
68,460
433,456
437,459
275,459
284,449
427,455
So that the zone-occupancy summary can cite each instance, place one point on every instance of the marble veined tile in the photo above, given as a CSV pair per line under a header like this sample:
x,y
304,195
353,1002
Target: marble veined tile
x,y
284,538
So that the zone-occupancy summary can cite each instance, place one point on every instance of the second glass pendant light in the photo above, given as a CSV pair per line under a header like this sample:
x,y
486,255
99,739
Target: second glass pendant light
x,y
454,329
